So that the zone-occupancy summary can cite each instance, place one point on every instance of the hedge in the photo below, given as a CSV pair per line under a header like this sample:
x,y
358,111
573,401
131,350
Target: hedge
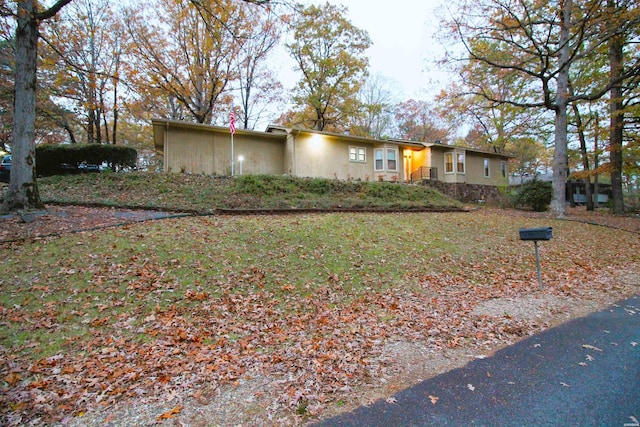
x,y
55,159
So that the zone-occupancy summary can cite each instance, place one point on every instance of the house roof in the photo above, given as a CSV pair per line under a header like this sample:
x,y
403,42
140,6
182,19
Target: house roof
x,y
166,123
363,139
447,147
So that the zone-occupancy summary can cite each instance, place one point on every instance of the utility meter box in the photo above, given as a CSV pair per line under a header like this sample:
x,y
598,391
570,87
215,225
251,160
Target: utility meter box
x,y
541,233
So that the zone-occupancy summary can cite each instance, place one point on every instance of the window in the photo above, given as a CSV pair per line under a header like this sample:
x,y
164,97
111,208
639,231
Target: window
x,y
460,162
448,163
357,154
378,154
486,168
503,168
385,159
392,159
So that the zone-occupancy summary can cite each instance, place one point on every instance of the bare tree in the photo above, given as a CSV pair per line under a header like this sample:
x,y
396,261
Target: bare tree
x,y
259,89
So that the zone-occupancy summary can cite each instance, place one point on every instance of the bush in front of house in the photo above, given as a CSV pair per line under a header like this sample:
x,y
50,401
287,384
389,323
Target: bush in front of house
x,y
535,194
56,159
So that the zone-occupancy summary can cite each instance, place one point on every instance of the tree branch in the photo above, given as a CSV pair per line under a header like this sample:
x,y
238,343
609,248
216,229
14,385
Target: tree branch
x,y
51,12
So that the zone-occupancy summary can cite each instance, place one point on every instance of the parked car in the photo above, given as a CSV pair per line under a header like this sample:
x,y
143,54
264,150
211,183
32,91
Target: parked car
x,y
88,167
5,168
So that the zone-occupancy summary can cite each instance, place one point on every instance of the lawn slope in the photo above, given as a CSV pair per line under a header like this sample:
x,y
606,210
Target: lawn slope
x,y
204,194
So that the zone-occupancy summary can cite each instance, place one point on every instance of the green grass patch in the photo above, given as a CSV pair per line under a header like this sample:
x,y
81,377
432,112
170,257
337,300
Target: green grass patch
x,y
112,280
202,193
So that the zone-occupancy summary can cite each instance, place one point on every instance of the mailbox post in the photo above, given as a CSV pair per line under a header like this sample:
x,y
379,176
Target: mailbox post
x,y
536,234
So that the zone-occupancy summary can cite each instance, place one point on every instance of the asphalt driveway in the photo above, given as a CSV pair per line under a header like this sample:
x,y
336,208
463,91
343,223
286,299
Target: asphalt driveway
x,y
583,373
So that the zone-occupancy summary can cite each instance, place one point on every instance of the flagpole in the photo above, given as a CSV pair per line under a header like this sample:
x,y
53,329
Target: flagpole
x,y
232,130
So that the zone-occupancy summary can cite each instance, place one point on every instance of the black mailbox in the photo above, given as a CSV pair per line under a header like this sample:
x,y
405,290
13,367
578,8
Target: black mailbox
x,y
542,233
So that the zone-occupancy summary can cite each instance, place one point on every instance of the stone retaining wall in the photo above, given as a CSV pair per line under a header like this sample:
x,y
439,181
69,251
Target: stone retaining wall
x,y
468,193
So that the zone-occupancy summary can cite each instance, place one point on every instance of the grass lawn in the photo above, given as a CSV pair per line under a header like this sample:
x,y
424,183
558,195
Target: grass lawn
x,y
300,314
202,194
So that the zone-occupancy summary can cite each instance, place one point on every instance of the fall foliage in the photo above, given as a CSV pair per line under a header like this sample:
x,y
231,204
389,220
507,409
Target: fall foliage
x,y
329,52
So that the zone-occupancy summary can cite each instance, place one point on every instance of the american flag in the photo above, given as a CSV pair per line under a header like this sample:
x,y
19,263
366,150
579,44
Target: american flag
x,y
232,122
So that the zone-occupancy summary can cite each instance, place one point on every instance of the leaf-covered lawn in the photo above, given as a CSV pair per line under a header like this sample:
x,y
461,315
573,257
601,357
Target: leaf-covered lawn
x,y
180,307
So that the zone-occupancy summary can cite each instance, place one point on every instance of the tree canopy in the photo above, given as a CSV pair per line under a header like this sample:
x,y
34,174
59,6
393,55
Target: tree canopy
x,y
538,48
329,51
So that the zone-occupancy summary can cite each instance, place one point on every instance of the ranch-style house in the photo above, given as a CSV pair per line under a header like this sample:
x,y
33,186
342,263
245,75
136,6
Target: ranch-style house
x,y
205,149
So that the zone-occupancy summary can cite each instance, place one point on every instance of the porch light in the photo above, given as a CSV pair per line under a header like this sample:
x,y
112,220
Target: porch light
x,y
240,160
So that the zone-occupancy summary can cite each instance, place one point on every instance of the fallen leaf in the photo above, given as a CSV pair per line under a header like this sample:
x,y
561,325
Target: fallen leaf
x,y
433,399
590,347
12,379
391,400
171,414
634,423
471,387
565,385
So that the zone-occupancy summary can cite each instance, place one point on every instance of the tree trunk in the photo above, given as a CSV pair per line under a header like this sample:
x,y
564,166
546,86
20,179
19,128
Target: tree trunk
x,y
617,118
115,102
596,161
585,157
90,127
558,203
98,125
23,188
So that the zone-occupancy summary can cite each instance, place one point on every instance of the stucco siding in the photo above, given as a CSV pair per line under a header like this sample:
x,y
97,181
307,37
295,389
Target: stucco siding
x,y
198,149
476,170
189,151
261,157
437,161
327,157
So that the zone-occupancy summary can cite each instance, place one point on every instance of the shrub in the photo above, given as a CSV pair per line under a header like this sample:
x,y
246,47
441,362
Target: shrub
x,y
536,194
51,158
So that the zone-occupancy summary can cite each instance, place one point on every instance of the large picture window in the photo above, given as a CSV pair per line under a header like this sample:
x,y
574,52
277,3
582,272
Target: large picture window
x,y
357,154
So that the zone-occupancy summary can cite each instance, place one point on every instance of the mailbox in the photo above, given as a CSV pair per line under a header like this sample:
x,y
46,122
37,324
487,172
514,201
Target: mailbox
x,y
542,233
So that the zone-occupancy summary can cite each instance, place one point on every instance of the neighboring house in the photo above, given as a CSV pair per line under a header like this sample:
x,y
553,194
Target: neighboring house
x,y
204,149
575,190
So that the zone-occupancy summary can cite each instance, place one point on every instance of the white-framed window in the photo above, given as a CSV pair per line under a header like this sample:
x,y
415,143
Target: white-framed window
x,y
385,159
487,171
448,162
378,155
460,162
503,168
357,154
392,159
